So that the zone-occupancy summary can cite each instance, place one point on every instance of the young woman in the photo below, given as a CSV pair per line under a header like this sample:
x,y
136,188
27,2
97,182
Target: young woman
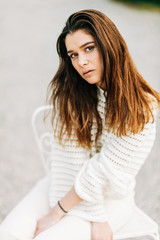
x,y
104,128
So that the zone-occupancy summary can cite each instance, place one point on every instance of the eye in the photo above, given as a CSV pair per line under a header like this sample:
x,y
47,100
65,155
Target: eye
x,y
72,56
90,48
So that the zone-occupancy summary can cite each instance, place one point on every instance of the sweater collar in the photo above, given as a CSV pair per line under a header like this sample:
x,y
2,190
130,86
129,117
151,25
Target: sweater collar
x,y
101,92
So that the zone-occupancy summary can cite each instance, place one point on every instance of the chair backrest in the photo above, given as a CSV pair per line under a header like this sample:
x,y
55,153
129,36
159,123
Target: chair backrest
x,y
43,132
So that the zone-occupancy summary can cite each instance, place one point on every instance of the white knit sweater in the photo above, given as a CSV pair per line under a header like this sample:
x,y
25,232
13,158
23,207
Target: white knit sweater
x,y
106,172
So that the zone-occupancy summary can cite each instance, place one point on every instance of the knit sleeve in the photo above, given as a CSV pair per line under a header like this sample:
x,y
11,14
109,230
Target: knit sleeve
x,y
113,169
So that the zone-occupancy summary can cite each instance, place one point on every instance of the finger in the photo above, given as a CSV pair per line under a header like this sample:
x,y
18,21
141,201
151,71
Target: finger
x,y
111,236
36,232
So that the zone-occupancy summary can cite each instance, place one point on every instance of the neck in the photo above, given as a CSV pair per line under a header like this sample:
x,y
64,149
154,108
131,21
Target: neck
x,y
102,85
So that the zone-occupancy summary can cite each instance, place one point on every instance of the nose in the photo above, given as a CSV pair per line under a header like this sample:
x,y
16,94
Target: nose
x,y
82,60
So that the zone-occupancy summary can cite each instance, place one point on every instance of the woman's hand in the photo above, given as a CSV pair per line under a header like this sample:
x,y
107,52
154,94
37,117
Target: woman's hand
x,y
101,231
70,200
53,217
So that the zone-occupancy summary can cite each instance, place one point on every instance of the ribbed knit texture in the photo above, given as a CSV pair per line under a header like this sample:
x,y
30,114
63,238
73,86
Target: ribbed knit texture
x,y
106,172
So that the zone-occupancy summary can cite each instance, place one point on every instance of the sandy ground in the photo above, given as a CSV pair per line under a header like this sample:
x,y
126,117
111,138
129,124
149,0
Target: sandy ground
x,y
28,61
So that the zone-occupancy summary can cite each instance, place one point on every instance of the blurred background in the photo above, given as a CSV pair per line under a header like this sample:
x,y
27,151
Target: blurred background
x,y
28,61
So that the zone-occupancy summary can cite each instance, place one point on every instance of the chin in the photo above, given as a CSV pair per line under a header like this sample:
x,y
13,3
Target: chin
x,y
92,82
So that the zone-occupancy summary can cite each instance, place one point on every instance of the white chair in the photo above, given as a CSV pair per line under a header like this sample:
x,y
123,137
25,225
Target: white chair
x,y
139,224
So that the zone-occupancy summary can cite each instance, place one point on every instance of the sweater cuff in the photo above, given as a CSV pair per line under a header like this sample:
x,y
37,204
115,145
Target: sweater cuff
x,y
88,185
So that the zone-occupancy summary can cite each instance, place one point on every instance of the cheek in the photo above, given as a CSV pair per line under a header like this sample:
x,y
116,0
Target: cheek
x,y
76,67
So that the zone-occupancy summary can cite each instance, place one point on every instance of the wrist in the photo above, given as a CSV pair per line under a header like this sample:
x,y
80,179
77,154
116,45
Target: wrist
x,y
59,204
100,224
70,200
56,209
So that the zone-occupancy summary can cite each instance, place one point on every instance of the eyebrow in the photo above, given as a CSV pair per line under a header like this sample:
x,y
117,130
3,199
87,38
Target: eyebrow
x,y
81,46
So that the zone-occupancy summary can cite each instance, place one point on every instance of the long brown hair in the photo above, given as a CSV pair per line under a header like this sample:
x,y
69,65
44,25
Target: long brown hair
x,y
127,101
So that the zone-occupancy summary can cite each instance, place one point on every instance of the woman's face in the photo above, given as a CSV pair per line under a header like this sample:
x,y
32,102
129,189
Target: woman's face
x,y
85,56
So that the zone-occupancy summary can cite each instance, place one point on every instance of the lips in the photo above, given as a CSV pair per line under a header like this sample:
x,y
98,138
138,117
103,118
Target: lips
x,y
87,72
